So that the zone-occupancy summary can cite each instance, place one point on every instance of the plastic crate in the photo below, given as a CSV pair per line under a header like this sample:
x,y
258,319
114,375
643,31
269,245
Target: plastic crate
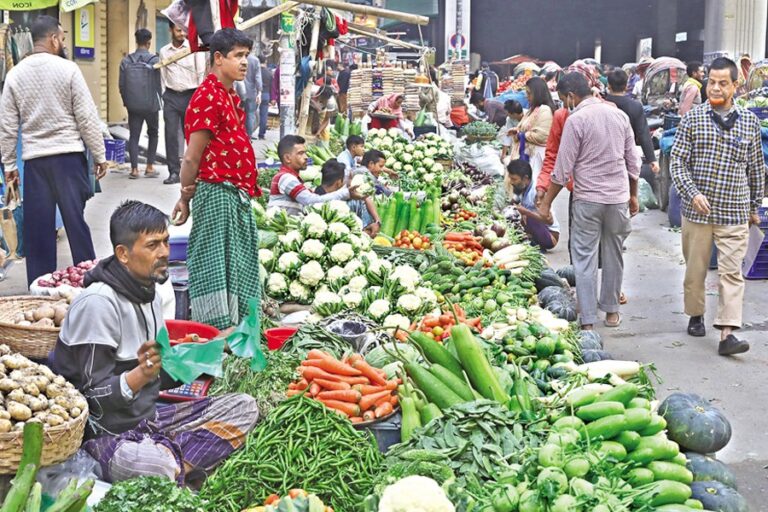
x,y
115,150
178,249
763,213
760,112
759,268
671,121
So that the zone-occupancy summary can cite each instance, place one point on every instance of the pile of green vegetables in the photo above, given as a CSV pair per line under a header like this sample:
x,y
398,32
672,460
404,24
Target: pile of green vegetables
x,y
301,444
150,494
268,386
400,214
480,130
481,291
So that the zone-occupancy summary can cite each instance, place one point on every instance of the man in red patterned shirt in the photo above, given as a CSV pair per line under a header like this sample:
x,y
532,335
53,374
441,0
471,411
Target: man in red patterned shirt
x,y
219,177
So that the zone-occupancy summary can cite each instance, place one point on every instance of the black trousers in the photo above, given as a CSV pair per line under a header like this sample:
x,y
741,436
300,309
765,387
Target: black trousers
x,y
174,108
50,181
136,121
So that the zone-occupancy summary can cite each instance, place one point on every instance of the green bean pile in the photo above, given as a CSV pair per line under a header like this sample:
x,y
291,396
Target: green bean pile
x,y
301,444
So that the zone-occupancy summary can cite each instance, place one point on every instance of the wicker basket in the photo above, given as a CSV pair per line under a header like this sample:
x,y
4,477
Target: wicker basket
x,y
59,444
31,341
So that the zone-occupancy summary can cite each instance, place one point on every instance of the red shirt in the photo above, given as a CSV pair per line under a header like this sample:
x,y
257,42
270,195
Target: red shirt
x,y
229,155
553,146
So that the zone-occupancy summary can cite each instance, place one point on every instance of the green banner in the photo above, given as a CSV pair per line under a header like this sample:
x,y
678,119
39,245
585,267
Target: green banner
x,y
71,5
26,5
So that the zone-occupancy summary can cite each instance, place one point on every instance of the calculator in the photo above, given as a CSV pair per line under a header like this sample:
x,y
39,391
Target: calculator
x,y
188,392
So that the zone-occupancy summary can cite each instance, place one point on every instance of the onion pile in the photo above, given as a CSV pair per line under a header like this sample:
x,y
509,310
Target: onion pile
x,y
71,276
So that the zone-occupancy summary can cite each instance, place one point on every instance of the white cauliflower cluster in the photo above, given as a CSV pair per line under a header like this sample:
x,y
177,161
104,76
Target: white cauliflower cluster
x,y
319,252
363,184
415,494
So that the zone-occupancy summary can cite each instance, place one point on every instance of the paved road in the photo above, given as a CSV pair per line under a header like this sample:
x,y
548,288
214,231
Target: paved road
x,y
653,327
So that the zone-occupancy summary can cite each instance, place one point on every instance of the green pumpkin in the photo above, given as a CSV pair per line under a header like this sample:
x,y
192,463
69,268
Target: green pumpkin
x,y
718,497
694,424
706,468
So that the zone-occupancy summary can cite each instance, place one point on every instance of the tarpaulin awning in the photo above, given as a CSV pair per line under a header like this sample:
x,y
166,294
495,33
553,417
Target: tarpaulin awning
x,y
33,5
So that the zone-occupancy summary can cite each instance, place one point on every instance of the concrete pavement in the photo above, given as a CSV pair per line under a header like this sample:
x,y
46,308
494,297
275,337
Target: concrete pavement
x,y
653,328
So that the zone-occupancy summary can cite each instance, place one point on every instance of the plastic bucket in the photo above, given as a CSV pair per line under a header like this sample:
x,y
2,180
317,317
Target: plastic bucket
x,y
277,336
180,328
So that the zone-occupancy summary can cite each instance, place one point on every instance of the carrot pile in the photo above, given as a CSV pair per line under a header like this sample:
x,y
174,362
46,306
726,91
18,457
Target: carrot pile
x,y
351,386
464,246
438,327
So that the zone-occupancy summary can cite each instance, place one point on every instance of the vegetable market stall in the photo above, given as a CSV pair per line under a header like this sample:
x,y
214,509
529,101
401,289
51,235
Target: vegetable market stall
x,y
450,333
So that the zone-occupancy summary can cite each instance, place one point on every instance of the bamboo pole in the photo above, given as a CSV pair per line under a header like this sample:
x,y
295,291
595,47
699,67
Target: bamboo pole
x,y
251,22
307,93
396,42
371,11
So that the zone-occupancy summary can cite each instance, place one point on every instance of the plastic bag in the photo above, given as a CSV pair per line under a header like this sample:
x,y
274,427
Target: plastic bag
x,y
420,118
646,196
178,13
81,466
485,157
245,341
187,361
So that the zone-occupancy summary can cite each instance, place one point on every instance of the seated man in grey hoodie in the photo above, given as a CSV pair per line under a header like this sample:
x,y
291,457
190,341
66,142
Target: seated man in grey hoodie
x,y
106,348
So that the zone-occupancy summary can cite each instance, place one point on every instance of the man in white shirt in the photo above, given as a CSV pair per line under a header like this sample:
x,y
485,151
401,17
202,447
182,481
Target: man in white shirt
x,y
180,79
46,96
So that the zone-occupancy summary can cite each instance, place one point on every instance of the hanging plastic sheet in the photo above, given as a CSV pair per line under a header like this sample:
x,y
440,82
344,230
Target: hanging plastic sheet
x,y
187,361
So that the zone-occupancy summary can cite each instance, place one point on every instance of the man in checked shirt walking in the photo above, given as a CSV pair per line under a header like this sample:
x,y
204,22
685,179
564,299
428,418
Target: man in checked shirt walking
x,y
718,169
597,149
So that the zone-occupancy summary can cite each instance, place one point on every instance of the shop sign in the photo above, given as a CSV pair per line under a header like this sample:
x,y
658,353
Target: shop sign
x,y
85,33
26,5
71,5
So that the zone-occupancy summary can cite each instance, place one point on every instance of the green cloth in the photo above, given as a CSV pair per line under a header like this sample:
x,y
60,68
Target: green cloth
x,y
222,255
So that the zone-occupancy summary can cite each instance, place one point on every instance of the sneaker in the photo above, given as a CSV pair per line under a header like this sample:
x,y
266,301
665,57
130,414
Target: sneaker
x,y
696,327
172,179
732,345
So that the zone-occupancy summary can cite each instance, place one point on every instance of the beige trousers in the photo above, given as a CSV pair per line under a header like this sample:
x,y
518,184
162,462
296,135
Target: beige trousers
x,y
731,242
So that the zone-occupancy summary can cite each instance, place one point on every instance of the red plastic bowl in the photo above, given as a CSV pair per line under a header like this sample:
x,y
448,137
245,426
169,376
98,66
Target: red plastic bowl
x,y
180,328
277,336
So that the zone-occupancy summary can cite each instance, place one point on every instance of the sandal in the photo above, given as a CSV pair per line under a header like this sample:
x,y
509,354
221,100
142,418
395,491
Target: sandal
x,y
133,175
623,299
613,324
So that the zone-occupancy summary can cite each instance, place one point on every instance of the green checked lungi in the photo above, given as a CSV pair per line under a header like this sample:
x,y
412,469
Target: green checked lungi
x,y
222,256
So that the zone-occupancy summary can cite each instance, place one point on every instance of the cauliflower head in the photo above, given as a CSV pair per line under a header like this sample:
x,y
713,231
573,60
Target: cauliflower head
x,y
409,303
358,284
342,252
313,248
352,299
314,225
277,284
379,309
311,273
288,261
415,494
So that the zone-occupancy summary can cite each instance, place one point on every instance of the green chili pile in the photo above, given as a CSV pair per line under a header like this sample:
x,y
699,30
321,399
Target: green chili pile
x,y
301,444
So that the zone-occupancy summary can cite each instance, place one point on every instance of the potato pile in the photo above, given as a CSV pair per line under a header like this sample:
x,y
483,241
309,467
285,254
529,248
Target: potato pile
x,y
45,315
31,392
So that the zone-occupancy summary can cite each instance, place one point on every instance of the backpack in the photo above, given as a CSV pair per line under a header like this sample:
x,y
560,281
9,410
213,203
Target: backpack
x,y
140,92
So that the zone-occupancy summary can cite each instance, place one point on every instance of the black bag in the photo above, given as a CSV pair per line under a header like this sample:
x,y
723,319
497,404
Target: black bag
x,y
141,91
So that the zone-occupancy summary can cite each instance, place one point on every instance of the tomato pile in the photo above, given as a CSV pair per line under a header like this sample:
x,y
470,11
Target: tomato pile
x,y
462,215
438,327
412,240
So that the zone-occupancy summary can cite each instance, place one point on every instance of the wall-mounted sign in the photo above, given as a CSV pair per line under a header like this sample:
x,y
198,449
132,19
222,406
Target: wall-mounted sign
x,y
71,5
85,32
